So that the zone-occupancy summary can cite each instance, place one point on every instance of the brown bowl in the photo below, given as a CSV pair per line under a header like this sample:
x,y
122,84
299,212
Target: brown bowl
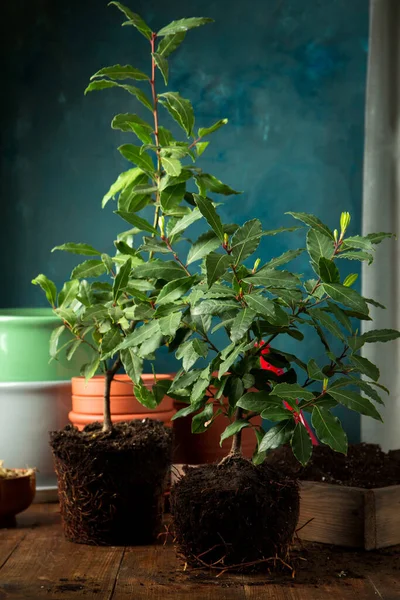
x,y
16,494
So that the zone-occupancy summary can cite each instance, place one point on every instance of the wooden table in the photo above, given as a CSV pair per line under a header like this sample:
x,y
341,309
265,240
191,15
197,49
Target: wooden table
x,y
36,562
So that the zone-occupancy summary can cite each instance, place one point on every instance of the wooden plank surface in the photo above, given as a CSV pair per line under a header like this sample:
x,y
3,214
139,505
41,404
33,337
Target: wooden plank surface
x,y
37,562
387,516
335,514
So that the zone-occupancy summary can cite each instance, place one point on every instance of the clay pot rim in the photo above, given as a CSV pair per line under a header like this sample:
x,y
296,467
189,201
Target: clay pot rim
x,y
124,378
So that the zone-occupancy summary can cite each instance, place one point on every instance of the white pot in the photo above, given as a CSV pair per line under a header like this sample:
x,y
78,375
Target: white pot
x,y
28,411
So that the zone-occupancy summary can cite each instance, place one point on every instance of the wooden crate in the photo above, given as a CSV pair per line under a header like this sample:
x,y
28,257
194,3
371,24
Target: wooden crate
x,y
345,516
350,516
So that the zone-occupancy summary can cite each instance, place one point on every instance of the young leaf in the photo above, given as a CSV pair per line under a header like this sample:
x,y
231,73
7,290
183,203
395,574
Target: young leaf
x,y
119,72
292,391
89,268
350,279
277,436
329,429
380,335
134,19
121,279
68,293
210,214
301,444
141,160
133,364
82,249
169,43
203,131
365,366
136,221
233,428
174,290
183,25
216,265
241,324
347,296
328,271
162,64
355,402
206,243
180,109
313,222
246,239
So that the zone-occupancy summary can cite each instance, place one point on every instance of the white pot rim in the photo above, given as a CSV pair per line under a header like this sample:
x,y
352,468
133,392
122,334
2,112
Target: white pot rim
x,y
34,385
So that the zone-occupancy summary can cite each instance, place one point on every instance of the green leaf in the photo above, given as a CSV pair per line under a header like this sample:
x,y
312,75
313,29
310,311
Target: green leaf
x,y
347,296
141,160
102,84
203,131
214,307
328,270
121,279
355,342
283,258
276,411
241,324
205,182
380,335
172,196
216,265
133,123
340,316
363,385
272,278
90,369
358,242
134,19
228,362
169,324
301,444
183,25
82,249
377,238
313,222
132,363
136,221
210,214
89,268
68,293
246,239
280,230
350,279
110,341
326,321
292,391
169,43
159,269
125,180
54,339
206,243
355,402
73,348
180,109
140,335
120,72
144,396
162,64
201,421
318,245
365,366
262,306
329,429
232,429
172,166
190,352
277,436
314,371
360,255
174,290
184,223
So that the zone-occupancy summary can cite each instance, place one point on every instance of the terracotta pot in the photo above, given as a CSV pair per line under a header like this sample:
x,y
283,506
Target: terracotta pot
x,y
87,401
195,449
16,494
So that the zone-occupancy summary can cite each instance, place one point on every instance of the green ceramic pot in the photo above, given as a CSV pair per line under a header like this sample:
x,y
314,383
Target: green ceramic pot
x,y
24,347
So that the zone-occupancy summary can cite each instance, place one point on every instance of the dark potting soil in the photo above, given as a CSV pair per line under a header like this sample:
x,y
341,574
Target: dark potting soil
x,y
234,513
111,484
365,466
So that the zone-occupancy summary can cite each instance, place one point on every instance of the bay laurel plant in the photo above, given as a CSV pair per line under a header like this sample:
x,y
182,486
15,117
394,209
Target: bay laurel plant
x,y
157,295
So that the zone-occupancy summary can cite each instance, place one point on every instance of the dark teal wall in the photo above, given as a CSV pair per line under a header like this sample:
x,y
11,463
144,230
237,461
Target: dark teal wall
x,y
290,76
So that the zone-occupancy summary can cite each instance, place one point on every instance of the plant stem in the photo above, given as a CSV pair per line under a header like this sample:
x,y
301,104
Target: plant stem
x,y
109,376
236,448
156,133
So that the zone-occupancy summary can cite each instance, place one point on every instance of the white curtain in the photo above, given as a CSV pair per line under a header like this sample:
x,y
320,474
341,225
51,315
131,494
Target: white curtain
x,y
381,209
